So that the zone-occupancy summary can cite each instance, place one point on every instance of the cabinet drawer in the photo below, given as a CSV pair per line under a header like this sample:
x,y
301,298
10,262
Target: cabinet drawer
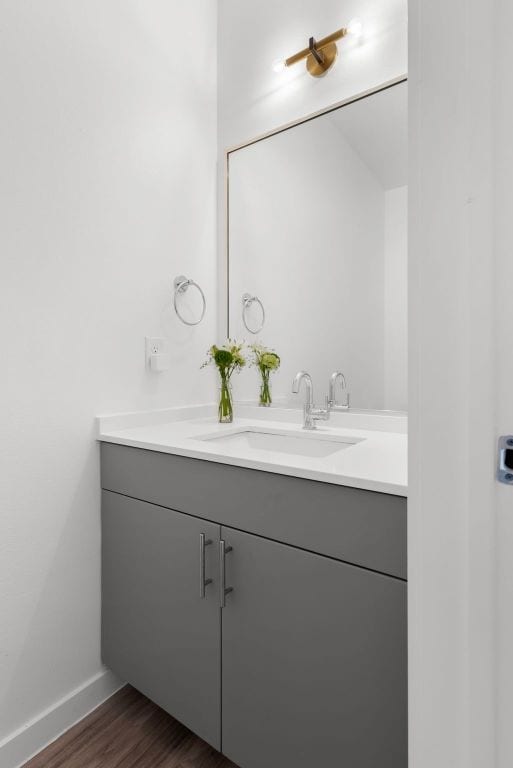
x,y
353,525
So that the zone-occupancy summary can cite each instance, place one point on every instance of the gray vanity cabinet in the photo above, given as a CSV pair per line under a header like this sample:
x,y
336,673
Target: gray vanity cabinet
x,y
157,632
311,671
314,651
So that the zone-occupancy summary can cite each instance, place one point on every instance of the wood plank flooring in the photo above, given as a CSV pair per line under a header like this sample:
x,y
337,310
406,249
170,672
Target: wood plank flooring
x,y
129,731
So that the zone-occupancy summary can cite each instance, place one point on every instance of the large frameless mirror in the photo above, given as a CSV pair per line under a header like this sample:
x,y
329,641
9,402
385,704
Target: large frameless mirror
x,y
317,249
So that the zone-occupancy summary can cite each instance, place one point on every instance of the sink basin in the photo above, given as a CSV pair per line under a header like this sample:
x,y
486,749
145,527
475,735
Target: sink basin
x,y
299,444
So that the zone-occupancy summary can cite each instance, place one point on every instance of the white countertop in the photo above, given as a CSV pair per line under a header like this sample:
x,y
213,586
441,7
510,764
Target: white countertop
x,y
378,462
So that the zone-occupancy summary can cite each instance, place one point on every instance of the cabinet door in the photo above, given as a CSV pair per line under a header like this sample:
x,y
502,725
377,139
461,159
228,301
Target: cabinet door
x,y
314,668
157,632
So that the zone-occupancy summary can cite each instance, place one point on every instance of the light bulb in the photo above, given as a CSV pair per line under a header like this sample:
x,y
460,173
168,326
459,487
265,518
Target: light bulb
x,y
279,65
355,28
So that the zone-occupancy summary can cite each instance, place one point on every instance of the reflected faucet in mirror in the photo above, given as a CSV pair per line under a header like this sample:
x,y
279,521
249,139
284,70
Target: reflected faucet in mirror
x,y
333,405
311,414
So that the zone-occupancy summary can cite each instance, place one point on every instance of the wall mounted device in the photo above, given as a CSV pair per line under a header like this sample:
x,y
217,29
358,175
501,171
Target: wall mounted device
x,y
247,301
157,359
182,285
320,54
505,460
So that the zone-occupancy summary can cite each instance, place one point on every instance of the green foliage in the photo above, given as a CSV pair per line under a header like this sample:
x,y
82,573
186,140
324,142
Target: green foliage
x,y
227,359
265,359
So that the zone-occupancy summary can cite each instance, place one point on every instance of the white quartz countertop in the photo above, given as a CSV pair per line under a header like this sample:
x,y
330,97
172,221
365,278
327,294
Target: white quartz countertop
x,y
377,462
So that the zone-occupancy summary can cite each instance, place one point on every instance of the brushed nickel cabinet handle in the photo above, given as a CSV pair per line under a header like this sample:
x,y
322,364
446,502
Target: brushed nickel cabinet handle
x,y
203,581
223,589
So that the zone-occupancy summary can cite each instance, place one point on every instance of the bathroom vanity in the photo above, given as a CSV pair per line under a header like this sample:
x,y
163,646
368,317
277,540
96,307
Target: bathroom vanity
x,y
254,573
266,610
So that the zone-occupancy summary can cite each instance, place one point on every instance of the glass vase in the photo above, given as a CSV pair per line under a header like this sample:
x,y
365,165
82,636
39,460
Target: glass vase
x,y
225,410
265,390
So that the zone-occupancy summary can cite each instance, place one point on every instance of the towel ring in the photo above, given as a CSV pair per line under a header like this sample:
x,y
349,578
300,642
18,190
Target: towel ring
x,y
247,301
181,285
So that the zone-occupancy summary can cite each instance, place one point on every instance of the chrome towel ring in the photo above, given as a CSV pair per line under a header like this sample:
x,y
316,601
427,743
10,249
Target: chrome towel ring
x,y
182,284
247,301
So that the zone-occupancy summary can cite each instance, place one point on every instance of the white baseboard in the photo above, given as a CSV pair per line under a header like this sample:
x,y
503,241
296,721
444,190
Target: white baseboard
x,y
27,741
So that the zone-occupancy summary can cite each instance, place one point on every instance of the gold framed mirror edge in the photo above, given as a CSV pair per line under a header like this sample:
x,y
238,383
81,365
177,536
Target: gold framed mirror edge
x,y
273,132
324,111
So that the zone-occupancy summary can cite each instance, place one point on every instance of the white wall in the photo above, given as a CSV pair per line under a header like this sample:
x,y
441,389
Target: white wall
x,y
108,190
396,299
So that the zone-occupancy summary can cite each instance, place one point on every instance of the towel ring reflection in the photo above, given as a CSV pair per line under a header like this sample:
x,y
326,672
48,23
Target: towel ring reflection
x,y
247,301
181,285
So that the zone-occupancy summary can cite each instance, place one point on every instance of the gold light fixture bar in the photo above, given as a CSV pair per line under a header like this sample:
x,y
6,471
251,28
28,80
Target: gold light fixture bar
x,y
321,54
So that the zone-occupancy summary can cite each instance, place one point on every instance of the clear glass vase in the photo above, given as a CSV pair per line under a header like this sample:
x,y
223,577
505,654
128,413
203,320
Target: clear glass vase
x,y
265,390
225,410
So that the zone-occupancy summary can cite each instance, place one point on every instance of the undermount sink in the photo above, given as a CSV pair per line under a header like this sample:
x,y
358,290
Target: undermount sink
x,y
310,444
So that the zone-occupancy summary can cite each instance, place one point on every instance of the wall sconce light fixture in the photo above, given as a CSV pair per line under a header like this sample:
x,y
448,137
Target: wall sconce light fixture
x,y
320,54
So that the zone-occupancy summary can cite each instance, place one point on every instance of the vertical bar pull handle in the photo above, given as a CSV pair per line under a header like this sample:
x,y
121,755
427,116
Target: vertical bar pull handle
x,y
203,581
223,589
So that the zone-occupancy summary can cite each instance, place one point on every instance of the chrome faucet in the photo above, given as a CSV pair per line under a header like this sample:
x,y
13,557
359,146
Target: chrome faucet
x,y
310,413
333,405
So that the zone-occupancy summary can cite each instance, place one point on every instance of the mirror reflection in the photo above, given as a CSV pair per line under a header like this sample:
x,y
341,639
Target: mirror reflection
x,y
317,240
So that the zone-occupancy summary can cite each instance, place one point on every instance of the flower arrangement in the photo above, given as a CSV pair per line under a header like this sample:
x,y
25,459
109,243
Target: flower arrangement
x,y
266,360
227,359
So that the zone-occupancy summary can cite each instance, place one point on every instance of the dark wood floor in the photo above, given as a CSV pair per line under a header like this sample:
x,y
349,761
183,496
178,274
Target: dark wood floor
x,y
129,731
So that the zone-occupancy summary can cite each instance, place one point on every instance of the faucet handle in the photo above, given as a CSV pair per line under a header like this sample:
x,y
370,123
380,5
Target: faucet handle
x,y
321,414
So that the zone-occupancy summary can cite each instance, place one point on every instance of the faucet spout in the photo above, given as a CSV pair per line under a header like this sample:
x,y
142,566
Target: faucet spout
x,y
300,378
335,377
310,414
